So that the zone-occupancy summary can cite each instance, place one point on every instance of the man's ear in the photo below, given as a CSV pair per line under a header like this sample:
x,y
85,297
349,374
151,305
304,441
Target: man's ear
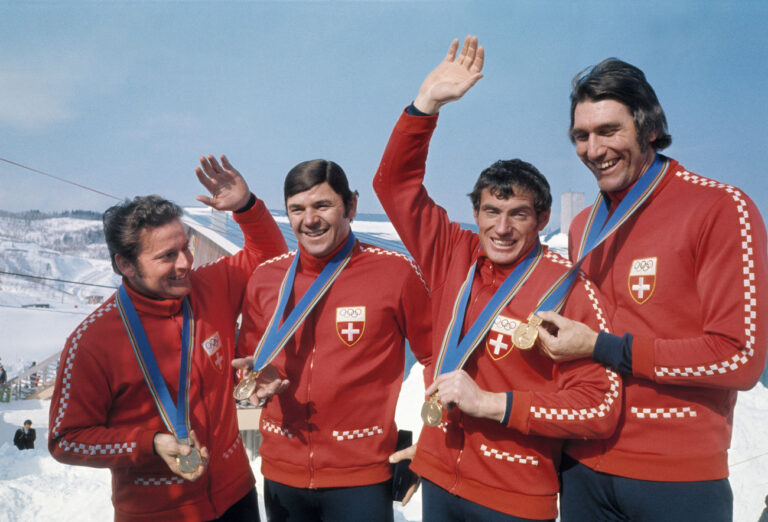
x,y
352,212
126,267
543,219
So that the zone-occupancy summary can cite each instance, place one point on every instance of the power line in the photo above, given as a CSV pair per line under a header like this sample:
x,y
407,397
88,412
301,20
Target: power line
x,y
60,179
54,279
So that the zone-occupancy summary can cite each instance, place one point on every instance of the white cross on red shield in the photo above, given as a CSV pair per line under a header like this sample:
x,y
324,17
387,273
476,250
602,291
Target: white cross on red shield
x,y
498,342
212,347
350,323
642,279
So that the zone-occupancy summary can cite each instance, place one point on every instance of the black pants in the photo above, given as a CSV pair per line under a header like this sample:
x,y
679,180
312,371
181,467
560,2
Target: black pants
x,y
590,495
369,503
439,505
245,509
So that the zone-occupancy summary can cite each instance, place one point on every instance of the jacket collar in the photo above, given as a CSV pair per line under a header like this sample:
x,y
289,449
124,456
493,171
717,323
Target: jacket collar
x,y
312,264
147,305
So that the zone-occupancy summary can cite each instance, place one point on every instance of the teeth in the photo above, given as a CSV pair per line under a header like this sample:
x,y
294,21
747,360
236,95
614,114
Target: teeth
x,y
607,164
315,234
501,243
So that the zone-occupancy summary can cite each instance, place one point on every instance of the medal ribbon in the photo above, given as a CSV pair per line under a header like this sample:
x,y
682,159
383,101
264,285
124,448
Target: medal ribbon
x,y
454,352
175,416
277,336
599,226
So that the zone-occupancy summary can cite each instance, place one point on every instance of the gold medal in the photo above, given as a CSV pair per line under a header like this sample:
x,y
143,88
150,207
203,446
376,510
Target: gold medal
x,y
525,335
189,463
246,387
432,411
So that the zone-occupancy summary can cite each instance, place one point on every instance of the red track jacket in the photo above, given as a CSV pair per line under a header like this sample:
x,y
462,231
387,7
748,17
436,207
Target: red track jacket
x,y
506,468
687,277
102,413
334,426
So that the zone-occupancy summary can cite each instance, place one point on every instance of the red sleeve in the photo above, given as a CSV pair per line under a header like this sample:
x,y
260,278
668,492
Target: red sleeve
x,y
263,240
587,403
416,307
422,225
732,282
254,322
79,414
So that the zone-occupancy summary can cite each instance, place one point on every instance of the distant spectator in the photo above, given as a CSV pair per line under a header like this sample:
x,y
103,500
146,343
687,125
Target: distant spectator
x,y
25,437
3,375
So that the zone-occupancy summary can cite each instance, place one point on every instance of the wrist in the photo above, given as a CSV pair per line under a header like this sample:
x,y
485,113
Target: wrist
x,y
426,105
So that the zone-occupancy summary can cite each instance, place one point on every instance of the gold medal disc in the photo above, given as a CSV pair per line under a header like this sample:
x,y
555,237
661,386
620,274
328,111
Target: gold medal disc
x,y
526,334
432,411
189,463
246,387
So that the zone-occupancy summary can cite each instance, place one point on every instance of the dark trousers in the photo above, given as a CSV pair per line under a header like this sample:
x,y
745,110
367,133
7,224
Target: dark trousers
x,y
590,495
371,503
247,508
439,505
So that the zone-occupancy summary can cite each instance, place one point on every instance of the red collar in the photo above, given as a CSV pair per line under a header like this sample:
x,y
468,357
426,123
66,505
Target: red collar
x,y
147,305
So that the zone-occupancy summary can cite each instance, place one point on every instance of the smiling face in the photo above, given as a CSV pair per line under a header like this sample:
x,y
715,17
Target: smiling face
x,y
163,266
509,227
319,220
606,142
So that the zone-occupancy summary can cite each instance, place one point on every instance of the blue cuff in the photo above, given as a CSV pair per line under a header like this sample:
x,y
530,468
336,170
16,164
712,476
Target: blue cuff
x,y
251,202
508,410
413,111
614,351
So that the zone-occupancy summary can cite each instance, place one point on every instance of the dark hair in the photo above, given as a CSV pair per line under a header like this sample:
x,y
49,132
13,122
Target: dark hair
x,y
124,222
505,177
28,422
307,174
613,79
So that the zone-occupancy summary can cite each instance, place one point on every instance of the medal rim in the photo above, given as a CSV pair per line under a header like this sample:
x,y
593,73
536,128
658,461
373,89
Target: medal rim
x,y
248,384
521,331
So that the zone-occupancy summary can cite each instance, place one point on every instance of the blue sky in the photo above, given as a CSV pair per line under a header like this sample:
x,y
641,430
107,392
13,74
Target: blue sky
x,y
124,97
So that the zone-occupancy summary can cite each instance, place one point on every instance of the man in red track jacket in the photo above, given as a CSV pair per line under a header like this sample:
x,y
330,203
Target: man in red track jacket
x,y
328,435
494,455
102,413
686,278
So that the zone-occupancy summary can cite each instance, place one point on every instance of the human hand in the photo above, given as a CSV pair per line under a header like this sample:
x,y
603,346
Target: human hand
x,y
459,389
454,76
168,448
268,383
228,188
572,339
407,454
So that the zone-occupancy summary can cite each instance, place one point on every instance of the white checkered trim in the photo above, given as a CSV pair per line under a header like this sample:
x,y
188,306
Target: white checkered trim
x,y
599,313
748,282
98,449
278,258
231,450
357,434
158,481
209,263
274,428
71,351
384,251
557,258
509,457
663,413
566,414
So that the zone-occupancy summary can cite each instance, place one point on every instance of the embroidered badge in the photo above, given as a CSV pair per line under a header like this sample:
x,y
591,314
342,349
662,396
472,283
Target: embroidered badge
x,y
212,347
642,279
350,323
498,342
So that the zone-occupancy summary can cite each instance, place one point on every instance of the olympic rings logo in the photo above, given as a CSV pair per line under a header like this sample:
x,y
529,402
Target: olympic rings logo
x,y
643,264
505,323
351,313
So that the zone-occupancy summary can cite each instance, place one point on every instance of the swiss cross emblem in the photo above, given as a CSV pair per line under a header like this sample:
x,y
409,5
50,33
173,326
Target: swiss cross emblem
x,y
212,347
498,342
642,279
350,323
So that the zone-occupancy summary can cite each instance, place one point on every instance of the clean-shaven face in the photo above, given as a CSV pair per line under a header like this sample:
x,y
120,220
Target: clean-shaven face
x,y
509,227
318,219
606,142
163,266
